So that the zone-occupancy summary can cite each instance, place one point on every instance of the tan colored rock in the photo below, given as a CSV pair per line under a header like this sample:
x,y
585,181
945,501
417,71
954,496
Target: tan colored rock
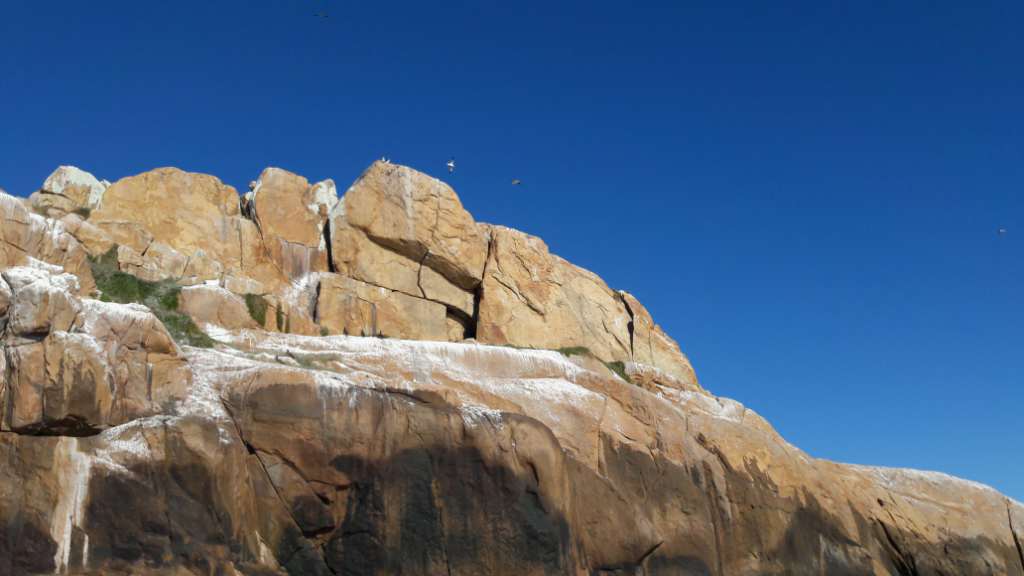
x,y
257,263
436,287
215,305
81,365
40,301
356,256
651,346
68,189
27,237
201,268
243,285
532,298
347,306
125,233
184,210
419,217
291,216
160,262
95,240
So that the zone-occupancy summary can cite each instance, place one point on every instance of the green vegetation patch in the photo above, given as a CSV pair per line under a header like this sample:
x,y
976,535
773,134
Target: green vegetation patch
x,y
257,306
160,297
575,351
619,368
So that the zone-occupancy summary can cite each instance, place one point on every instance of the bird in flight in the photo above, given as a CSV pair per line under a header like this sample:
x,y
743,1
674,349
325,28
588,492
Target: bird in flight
x,y
323,15
516,181
1001,232
451,166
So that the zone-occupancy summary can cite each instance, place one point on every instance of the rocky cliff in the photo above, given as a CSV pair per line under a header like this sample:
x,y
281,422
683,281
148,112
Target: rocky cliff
x,y
289,381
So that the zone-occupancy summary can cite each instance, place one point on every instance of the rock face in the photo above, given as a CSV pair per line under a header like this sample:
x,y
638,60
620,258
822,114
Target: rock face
x,y
26,238
68,189
380,448
74,366
291,215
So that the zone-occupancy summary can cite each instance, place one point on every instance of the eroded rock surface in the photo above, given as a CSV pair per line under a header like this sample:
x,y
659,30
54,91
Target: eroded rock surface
x,y
365,452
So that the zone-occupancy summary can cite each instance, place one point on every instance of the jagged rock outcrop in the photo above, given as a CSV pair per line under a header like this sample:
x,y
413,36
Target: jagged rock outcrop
x,y
382,449
418,217
72,365
68,189
26,238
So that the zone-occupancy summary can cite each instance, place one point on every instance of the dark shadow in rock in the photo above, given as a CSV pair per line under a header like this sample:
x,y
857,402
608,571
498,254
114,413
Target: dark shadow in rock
x,y
25,548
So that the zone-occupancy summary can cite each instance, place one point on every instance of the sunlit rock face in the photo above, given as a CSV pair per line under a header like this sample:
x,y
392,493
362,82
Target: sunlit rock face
x,y
424,395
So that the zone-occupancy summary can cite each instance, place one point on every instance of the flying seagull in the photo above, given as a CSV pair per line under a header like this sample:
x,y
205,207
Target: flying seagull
x,y
1001,232
451,165
516,181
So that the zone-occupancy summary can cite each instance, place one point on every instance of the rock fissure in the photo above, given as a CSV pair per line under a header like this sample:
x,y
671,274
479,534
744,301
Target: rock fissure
x,y
1013,534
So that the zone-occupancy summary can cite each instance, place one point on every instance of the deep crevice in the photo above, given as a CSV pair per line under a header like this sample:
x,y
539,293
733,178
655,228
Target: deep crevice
x,y
478,294
330,249
629,325
73,426
1013,533
905,563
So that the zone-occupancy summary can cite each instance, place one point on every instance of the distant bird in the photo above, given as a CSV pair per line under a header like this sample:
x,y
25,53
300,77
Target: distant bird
x,y
451,166
385,159
516,181
1001,232
324,15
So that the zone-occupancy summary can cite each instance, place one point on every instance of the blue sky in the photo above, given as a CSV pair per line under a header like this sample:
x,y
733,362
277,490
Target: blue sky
x,y
806,195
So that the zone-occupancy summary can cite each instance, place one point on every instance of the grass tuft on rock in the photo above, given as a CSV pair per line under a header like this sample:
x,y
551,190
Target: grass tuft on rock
x,y
575,351
160,297
619,368
257,306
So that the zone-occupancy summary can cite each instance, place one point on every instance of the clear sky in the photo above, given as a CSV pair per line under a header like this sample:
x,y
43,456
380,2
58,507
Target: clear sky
x,y
806,195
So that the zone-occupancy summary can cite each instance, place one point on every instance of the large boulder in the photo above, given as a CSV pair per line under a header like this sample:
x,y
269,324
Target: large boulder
x,y
533,298
184,210
419,217
190,213
68,189
291,215
357,256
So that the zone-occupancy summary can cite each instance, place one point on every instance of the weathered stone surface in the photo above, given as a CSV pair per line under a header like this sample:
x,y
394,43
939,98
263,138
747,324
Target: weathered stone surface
x,y
25,237
418,216
190,213
356,256
436,287
291,215
651,346
215,305
160,262
533,298
184,210
93,239
347,306
66,190
78,365
201,268
278,453
40,301
125,233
